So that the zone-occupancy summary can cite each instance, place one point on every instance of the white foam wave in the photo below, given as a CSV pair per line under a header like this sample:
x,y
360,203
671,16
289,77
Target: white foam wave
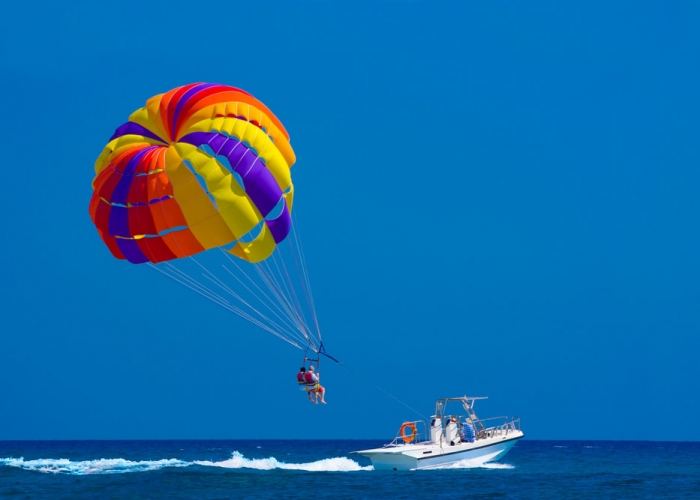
x,y
101,466
120,465
238,461
473,464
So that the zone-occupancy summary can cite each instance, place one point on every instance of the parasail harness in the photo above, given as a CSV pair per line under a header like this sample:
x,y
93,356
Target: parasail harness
x,y
311,358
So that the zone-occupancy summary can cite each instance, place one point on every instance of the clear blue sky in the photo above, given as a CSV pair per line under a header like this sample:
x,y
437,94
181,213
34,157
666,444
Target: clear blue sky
x,y
505,203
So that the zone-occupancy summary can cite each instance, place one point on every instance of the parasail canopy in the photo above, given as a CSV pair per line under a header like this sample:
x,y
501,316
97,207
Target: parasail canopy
x,y
199,167
204,167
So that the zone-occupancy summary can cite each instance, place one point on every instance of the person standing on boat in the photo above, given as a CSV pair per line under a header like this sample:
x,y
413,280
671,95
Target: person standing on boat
x,y
301,381
313,385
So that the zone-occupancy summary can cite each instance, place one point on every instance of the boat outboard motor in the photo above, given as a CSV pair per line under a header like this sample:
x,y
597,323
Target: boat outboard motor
x,y
435,430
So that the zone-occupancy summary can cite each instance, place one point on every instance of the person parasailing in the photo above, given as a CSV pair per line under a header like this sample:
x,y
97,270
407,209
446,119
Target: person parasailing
x,y
301,381
313,385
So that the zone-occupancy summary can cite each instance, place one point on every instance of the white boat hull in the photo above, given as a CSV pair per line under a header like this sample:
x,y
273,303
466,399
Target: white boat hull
x,y
430,455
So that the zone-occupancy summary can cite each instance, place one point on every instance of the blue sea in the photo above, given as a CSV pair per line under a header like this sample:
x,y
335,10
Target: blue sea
x,y
325,469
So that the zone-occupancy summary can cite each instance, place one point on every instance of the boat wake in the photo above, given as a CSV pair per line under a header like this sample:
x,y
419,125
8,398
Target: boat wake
x,y
101,466
471,464
120,465
238,461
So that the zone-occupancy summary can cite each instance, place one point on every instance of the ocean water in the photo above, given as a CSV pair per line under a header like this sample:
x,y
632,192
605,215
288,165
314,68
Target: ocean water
x,y
324,469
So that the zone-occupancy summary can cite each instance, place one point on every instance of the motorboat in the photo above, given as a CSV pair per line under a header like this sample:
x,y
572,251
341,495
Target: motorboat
x,y
454,433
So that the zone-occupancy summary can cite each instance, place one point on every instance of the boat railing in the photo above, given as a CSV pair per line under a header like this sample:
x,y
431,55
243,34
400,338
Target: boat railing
x,y
503,429
410,432
417,430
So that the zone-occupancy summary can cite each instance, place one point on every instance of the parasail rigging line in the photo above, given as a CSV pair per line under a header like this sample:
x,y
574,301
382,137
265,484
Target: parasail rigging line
x,y
299,310
181,277
264,294
210,276
267,276
368,381
305,281
267,302
308,302
266,273
322,351
281,302
294,302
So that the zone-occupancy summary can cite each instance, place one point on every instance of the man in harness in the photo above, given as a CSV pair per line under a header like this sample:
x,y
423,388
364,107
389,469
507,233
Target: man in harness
x,y
313,386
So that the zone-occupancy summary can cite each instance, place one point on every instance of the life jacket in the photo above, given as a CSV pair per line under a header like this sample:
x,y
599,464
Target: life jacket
x,y
300,378
310,379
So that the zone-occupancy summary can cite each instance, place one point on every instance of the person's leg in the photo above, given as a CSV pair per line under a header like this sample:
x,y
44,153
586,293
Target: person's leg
x,y
323,394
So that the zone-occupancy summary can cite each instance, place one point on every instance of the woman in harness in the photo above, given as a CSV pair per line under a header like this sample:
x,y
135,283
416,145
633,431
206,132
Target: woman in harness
x,y
301,382
313,386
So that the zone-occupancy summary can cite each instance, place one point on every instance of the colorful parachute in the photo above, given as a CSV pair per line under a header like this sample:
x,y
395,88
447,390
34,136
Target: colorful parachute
x,y
199,167
207,166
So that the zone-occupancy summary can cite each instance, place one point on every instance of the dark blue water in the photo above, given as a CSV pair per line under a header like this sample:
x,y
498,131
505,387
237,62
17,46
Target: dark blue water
x,y
311,469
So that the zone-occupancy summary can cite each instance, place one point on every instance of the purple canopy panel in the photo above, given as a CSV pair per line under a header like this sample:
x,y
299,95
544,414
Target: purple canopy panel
x,y
217,142
280,226
131,128
227,149
259,183
262,188
131,250
118,224
121,191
